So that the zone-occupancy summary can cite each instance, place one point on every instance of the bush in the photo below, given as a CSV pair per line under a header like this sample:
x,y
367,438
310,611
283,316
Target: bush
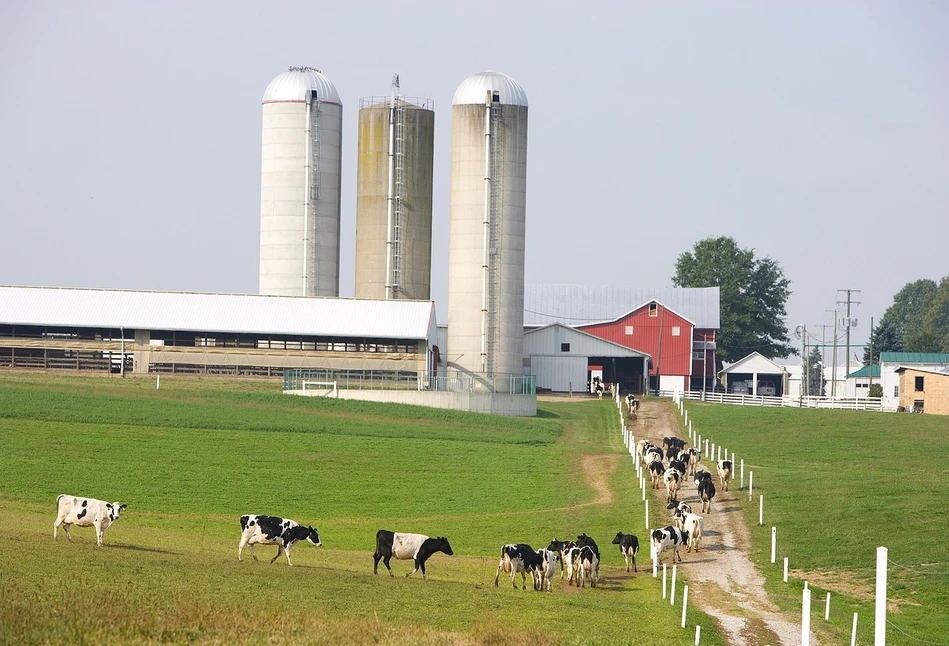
x,y
876,390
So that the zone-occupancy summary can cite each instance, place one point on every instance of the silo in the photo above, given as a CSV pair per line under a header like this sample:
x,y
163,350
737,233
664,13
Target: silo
x,y
394,197
300,185
487,224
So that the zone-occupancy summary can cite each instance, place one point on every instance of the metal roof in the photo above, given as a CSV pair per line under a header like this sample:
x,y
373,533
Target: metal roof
x,y
473,89
914,357
241,313
586,343
865,372
583,304
292,86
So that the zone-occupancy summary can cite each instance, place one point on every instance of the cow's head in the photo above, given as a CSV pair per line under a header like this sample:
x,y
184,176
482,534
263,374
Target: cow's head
x,y
619,537
114,509
441,543
313,536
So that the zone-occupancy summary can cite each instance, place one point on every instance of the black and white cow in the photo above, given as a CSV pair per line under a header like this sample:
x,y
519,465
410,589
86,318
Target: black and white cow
x,y
694,457
585,541
519,557
628,547
672,479
692,526
679,510
563,548
589,562
632,404
656,470
407,546
725,472
273,530
665,538
85,512
546,569
706,487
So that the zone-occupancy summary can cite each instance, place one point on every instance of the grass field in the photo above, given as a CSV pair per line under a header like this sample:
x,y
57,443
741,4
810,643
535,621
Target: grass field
x,y
190,458
836,485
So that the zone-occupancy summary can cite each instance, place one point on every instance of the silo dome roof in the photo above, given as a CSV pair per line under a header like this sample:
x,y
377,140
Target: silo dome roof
x,y
292,86
473,88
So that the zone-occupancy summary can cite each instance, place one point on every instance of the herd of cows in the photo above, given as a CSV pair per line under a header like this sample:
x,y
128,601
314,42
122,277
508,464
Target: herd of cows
x,y
578,561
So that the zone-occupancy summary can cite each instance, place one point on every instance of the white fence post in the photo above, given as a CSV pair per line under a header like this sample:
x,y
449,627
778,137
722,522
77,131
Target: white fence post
x,y
806,618
647,514
698,633
672,591
751,483
785,569
827,609
760,510
158,382
685,601
853,631
664,580
774,542
742,485
879,621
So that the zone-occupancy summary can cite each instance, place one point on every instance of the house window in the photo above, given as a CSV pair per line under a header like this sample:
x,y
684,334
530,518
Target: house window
x,y
676,330
629,330
919,384
565,347
896,391
653,309
697,355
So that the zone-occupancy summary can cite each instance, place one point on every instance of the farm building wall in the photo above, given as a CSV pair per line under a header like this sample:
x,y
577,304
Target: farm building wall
x,y
932,398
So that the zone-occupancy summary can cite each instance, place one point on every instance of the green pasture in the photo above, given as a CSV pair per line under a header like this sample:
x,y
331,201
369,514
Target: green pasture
x,y
190,458
838,484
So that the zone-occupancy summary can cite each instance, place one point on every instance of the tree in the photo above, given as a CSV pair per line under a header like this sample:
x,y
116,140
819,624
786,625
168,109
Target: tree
x,y
754,293
933,334
815,374
883,338
917,321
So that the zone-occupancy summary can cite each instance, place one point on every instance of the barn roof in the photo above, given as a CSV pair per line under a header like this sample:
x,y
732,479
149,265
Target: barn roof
x,y
582,304
584,343
241,313
914,357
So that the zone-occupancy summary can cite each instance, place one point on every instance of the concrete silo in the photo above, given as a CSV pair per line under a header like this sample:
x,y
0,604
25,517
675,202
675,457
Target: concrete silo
x,y
487,225
394,197
300,185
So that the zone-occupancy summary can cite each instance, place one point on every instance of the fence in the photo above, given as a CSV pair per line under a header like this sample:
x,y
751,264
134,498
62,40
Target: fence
x,y
293,379
841,403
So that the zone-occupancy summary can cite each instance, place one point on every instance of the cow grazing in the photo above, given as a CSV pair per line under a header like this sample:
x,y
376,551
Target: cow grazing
x,y
628,547
692,526
418,547
519,557
546,569
668,537
672,478
589,562
273,530
656,471
85,512
725,472
706,488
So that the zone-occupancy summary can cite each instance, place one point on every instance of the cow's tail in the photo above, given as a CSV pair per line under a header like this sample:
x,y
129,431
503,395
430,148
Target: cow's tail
x,y
244,520
62,495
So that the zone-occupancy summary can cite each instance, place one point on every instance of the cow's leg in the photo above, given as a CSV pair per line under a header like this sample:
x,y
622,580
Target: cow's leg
x,y
68,535
497,575
422,565
240,548
385,562
59,521
252,552
279,551
287,550
375,562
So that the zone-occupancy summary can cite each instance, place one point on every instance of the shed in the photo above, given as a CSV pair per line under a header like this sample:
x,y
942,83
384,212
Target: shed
x,y
890,362
924,390
755,374
565,359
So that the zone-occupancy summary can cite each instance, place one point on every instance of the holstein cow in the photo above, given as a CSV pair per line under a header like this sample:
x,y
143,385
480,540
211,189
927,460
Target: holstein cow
x,y
632,404
628,547
273,530
679,510
672,478
563,548
407,546
667,537
85,512
725,472
519,557
695,456
589,562
692,526
585,541
546,569
706,488
656,471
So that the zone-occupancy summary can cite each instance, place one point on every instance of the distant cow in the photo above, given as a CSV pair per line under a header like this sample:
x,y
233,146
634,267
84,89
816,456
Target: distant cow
x,y
546,568
589,562
632,404
725,472
706,487
656,471
628,547
563,548
679,510
407,546
672,478
519,557
692,526
665,538
85,512
273,530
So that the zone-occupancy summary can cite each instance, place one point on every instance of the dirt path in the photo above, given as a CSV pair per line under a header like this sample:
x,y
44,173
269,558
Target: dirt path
x,y
722,579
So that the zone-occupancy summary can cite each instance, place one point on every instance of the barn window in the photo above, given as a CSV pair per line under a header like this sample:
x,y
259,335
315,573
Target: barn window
x,y
653,309
676,330
919,384
629,330
565,347
697,355
896,391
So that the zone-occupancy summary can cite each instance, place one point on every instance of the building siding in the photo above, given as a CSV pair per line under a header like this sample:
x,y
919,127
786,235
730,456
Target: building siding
x,y
935,393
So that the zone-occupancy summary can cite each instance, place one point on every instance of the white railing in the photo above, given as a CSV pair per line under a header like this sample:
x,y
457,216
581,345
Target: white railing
x,y
330,388
841,403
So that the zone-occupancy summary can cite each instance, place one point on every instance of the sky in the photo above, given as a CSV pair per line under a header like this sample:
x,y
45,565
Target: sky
x,y
814,133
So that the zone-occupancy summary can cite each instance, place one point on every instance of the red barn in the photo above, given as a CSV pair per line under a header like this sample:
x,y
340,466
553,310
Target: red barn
x,y
675,326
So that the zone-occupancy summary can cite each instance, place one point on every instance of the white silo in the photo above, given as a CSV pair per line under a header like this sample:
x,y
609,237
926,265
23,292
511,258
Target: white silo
x,y
300,185
487,225
396,144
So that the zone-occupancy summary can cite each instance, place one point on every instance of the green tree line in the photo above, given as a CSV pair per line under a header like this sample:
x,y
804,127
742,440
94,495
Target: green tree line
x,y
917,321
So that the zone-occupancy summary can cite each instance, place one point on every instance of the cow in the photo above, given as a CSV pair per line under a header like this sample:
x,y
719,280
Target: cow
x,y
585,541
679,510
273,530
706,487
656,471
679,466
672,478
667,537
519,557
632,404
85,512
418,547
695,456
641,447
563,548
546,569
725,472
653,454
673,443
692,526
589,562
628,547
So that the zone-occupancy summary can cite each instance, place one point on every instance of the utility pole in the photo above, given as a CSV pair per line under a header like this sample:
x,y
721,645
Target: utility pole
x,y
870,364
823,332
849,323
833,371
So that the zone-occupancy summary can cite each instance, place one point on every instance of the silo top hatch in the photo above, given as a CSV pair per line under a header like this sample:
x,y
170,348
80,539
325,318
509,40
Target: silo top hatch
x,y
292,86
473,88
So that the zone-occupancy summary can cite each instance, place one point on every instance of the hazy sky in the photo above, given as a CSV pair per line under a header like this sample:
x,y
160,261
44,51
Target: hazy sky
x,y
815,133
